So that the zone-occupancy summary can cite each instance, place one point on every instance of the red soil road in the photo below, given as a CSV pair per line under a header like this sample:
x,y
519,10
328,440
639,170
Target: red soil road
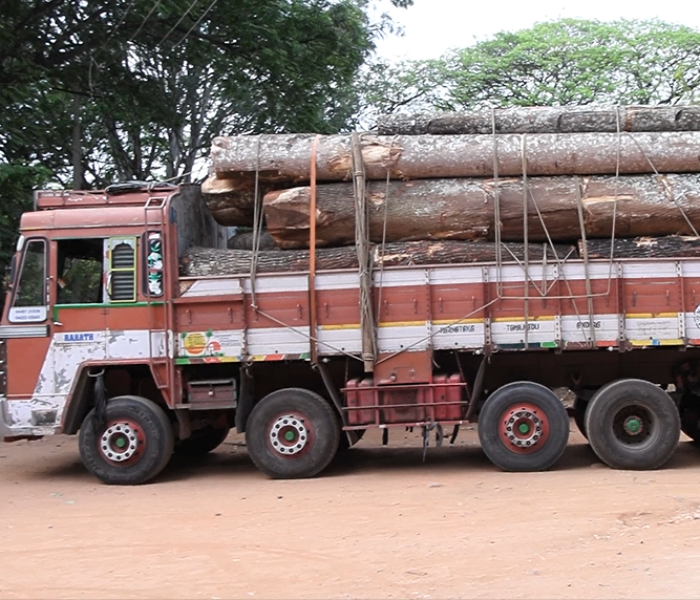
x,y
379,524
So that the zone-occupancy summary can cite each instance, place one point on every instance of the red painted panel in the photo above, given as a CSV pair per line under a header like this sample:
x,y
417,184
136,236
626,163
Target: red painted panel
x,y
25,357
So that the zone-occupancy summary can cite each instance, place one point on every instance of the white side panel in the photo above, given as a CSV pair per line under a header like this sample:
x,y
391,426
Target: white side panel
x,y
338,281
284,283
649,270
513,332
578,329
393,339
692,324
278,340
456,275
458,335
401,277
213,287
339,341
653,329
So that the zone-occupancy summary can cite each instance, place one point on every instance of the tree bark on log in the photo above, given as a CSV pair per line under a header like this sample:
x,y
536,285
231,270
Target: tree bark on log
x,y
201,262
232,201
464,209
644,247
283,160
544,119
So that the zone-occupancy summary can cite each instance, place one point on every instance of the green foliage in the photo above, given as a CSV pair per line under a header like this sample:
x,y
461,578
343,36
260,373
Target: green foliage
x,y
144,85
98,91
566,62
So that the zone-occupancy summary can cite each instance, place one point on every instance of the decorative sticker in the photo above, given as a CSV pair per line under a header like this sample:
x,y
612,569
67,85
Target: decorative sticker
x,y
155,264
697,315
209,343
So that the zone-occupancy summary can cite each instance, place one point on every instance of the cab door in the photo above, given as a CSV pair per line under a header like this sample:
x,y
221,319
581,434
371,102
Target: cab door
x,y
29,405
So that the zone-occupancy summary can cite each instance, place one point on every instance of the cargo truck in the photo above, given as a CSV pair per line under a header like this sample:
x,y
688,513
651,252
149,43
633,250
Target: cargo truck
x,y
104,338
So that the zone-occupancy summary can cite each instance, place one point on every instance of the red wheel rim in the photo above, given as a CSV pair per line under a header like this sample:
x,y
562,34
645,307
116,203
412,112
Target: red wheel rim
x,y
290,435
523,428
122,442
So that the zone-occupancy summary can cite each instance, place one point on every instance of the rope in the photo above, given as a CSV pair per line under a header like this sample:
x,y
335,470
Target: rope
x,y
584,251
496,205
367,325
526,249
257,228
382,249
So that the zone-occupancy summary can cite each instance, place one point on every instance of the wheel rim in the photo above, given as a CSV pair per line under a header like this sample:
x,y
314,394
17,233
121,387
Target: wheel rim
x,y
524,428
290,435
122,442
633,424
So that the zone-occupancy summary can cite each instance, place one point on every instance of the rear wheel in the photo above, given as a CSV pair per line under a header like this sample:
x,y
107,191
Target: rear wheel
x,y
633,424
580,406
523,427
690,417
202,441
292,433
132,446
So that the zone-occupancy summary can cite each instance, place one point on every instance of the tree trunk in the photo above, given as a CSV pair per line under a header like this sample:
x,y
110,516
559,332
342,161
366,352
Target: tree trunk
x,y
464,209
545,119
199,262
644,247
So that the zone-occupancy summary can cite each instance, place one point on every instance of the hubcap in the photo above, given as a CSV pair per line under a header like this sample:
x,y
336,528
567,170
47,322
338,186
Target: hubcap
x,y
289,435
120,441
524,428
633,424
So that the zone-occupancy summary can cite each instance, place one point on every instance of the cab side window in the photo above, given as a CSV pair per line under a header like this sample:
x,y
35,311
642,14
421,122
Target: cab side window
x,y
80,264
29,303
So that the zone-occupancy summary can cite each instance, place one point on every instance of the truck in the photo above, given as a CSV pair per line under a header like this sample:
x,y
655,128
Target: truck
x,y
105,338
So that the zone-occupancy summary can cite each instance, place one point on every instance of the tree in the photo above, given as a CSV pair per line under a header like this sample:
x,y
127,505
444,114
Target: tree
x,y
98,91
566,62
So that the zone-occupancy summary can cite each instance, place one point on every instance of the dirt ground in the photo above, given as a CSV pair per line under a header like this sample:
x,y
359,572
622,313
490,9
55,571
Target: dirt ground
x,y
378,524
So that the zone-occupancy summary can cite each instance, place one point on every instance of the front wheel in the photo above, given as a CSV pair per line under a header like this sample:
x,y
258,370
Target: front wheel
x,y
633,424
292,433
132,446
523,427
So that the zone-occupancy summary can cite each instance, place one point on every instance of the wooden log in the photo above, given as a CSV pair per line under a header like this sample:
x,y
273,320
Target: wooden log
x,y
464,209
283,160
644,247
201,262
545,119
232,201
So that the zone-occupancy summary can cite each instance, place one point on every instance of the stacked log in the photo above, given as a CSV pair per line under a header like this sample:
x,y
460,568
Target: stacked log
x,y
545,174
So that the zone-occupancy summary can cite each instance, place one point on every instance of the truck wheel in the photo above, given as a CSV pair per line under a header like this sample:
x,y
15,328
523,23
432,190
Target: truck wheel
x,y
132,447
202,441
580,406
633,424
292,433
523,427
690,417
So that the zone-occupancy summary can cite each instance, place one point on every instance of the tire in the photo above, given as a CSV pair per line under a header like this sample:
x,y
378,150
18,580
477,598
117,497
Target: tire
x,y
292,433
690,417
633,424
523,427
133,446
202,441
580,406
